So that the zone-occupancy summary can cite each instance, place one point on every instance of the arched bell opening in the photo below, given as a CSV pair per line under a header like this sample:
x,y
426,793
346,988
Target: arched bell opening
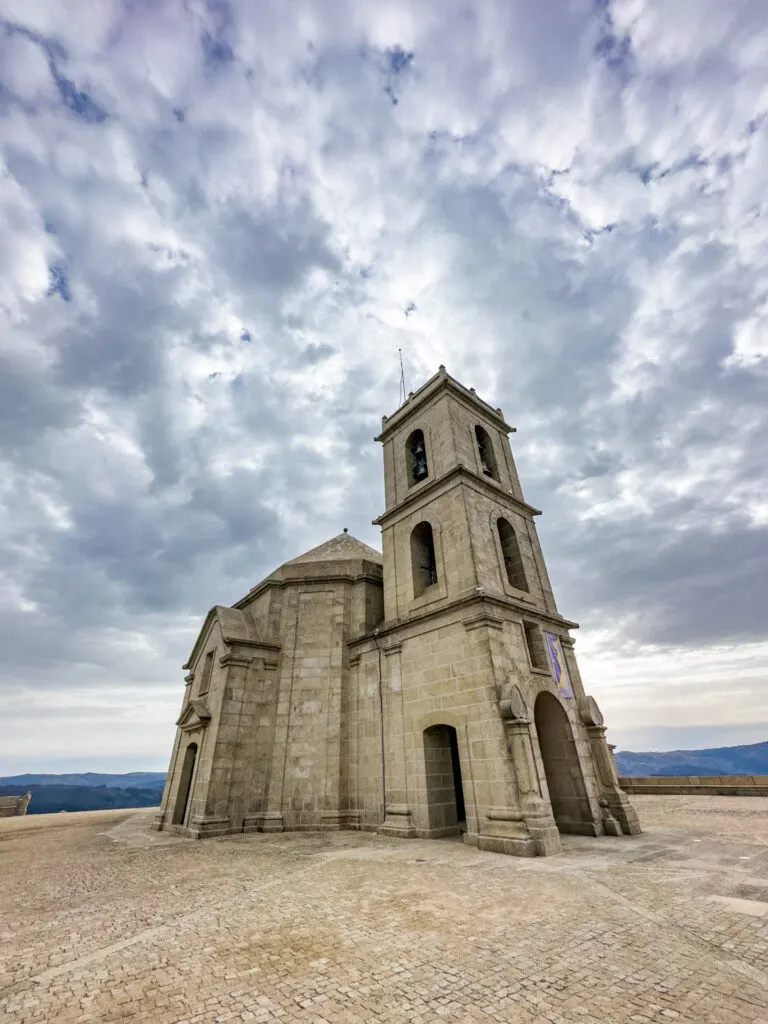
x,y
423,561
416,458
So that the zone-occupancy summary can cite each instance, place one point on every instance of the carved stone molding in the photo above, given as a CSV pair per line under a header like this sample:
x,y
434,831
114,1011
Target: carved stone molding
x,y
483,619
194,716
589,711
512,706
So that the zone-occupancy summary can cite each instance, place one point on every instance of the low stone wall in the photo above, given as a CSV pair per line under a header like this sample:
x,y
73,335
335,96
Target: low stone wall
x,y
701,785
14,806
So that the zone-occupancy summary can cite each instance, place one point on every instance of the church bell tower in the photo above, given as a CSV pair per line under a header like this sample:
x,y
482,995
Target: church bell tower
x,y
483,679
454,506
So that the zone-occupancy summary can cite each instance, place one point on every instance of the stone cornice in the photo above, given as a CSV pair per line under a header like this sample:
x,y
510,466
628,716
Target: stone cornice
x,y
483,619
261,645
194,716
278,584
486,605
453,475
237,660
209,618
441,381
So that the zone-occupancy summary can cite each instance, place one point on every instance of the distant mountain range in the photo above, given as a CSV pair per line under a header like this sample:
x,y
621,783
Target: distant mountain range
x,y
129,780
52,799
89,791
751,759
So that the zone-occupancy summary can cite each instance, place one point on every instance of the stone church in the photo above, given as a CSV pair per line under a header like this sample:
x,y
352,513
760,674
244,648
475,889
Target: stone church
x,y
429,691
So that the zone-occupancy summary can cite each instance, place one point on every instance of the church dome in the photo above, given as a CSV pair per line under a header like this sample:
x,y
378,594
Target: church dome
x,y
341,548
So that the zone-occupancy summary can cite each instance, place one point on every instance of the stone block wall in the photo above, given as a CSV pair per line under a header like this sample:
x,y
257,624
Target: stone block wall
x,y
699,785
364,772
484,513
446,671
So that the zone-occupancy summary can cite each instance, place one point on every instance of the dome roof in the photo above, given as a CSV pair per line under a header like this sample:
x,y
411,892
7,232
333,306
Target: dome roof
x,y
339,549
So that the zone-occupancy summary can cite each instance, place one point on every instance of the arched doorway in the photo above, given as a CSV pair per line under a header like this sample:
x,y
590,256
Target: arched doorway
x,y
185,784
565,780
445,791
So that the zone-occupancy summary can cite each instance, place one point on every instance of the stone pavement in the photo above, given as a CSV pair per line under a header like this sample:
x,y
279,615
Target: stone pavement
x,y
103,920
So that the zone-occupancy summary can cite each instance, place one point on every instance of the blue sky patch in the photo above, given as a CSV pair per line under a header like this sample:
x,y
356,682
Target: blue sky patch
x,y
59,282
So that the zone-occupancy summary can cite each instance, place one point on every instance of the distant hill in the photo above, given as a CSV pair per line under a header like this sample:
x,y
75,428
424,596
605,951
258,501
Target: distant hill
x,y
751,759
89,791
50,799
129,780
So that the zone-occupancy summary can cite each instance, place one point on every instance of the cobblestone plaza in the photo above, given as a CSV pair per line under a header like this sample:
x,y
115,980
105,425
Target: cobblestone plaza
x,y
102,919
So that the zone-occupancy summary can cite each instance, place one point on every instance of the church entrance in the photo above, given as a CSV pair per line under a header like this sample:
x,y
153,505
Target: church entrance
x,y
565,780
185,784
445,790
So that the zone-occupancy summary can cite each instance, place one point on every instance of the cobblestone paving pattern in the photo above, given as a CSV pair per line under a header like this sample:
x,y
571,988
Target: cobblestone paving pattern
x,y
103,920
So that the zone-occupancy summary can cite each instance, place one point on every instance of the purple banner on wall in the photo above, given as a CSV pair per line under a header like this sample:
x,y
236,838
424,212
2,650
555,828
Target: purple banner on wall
x,y
559,668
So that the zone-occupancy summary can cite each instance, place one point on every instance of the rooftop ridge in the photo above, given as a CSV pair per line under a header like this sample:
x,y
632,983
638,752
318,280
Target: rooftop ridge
x,y
339,548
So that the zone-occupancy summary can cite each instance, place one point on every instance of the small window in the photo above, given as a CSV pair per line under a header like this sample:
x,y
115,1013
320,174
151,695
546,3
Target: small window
x,y
416,455
423,558
205,679
510,552
485,451
535,644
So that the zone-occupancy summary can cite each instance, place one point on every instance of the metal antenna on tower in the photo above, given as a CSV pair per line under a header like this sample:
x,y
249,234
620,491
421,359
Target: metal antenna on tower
x,y
402,378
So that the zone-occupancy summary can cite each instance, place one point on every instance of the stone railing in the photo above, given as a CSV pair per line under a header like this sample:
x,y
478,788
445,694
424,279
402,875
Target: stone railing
x,y
698,785
14,806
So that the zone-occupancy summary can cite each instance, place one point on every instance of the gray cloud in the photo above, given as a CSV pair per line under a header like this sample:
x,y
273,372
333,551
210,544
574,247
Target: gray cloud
x,y
211,224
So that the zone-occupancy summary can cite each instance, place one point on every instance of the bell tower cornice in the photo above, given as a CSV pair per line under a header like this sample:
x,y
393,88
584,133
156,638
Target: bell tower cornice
x,y
438,384
454,475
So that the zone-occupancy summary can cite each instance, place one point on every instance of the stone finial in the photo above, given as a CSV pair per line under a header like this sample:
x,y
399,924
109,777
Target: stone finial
x,y
346,529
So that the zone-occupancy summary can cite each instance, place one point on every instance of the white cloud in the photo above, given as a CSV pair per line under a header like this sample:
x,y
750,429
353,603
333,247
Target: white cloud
x,y
214,218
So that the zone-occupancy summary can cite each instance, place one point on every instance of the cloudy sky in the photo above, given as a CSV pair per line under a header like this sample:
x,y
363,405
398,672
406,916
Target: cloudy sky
x,y
214,218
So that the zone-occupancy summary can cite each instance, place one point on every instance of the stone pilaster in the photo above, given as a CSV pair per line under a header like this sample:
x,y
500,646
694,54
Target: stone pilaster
x,y
535,811
397,813
521,823
617,812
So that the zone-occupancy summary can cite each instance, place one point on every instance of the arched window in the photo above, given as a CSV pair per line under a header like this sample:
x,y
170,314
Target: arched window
x,y
510,552
534,641
205,679
423,561
485,451
416,455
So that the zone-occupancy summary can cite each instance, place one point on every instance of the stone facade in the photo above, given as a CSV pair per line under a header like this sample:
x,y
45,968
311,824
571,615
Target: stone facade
x,y
427,692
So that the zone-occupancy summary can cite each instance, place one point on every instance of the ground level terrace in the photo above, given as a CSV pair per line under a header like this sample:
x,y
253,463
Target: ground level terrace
x,y
102,919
